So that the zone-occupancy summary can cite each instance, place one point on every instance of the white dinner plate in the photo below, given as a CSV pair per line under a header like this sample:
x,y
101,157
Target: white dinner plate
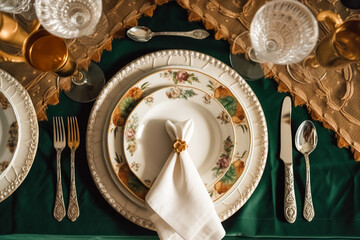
x,y
115,193
27,142
147,144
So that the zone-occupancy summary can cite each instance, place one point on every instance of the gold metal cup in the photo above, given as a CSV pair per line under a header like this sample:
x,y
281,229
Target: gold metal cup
x,y
40,49
341,47
48,53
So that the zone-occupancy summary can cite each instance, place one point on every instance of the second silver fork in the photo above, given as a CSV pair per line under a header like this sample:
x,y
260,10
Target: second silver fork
x,y
59,144
73,144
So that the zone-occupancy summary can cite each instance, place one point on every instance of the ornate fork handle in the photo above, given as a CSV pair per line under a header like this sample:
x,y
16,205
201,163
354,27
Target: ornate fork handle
x,y
309,211
289,196
73,209
59,208
197,34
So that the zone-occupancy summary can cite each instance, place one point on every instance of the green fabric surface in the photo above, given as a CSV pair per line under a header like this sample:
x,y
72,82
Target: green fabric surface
x,y
335,177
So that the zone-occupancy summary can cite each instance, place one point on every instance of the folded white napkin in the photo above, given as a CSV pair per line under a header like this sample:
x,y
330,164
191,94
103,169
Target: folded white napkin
x,y
178,201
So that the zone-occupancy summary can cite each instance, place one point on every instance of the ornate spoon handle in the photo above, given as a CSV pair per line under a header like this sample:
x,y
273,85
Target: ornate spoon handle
x,y
197,34
289,196
73,209
59,208
309,211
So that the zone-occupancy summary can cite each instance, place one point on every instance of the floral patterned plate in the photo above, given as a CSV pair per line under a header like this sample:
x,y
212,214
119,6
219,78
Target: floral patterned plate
x,y
178,76
8,132
147,144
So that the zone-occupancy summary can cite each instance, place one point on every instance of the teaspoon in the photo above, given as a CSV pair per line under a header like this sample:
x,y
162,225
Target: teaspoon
x,y
305,141
144,34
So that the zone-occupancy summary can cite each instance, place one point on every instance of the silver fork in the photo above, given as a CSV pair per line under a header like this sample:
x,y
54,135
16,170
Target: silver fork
x,y
59,145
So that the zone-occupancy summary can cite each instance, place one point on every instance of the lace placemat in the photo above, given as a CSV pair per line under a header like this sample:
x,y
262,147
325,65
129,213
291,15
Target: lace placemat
x,y
331,100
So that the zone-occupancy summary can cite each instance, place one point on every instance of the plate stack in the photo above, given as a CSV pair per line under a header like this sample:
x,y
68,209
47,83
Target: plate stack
x,y
127,143
19,134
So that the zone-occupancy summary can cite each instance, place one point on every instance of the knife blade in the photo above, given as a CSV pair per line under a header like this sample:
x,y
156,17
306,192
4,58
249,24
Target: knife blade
x,y
290,210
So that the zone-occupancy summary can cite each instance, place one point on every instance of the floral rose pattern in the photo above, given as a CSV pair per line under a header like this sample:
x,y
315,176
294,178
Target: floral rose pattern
x,y
135,166
13,137
225,158
224,118
230,177
149,100
177,92
4,102
180,76
4,165
130,134
207,98
174,93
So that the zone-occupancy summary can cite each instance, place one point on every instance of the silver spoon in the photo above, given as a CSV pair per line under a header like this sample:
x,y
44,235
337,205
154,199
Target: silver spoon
x,y
305,141
144,34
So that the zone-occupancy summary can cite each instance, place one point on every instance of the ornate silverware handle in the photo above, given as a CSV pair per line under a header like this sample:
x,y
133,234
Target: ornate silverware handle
x,y
197,34
309,211
59,207
289,196
73,209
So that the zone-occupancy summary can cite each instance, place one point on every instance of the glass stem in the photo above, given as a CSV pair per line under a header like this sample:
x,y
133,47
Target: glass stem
x,y
252,56
78,78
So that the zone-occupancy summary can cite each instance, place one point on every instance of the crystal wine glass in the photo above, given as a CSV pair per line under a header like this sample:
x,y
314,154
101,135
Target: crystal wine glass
x,y
22,7
73,19
14,6
69,18
282,32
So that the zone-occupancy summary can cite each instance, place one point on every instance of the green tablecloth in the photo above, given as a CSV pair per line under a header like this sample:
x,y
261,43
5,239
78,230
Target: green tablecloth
x,y
335,176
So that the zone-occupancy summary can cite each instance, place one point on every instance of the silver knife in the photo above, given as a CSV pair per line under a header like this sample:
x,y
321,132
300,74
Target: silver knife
x,y
286,156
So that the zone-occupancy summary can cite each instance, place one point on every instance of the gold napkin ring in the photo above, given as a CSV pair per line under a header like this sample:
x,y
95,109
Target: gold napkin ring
x,y
179,145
